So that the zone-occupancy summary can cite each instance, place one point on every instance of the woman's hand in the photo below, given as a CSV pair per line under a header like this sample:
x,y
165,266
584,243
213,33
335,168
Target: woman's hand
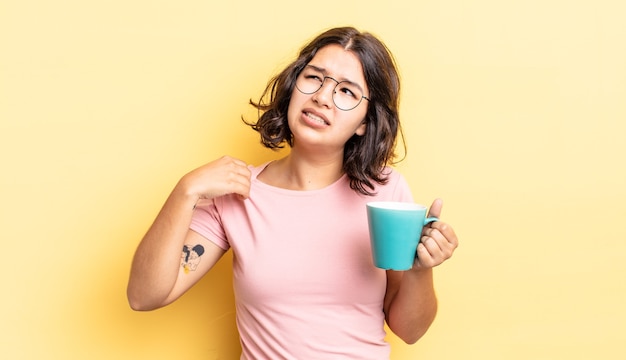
x,y
438,241
225,175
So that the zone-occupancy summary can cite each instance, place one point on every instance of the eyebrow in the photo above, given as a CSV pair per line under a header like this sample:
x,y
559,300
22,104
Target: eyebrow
x,y
323,71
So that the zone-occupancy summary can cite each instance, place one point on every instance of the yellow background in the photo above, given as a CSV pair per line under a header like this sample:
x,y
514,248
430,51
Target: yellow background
x,y
514,113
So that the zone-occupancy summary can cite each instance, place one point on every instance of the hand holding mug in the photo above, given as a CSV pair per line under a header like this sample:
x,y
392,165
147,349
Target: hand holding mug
x,y
403,237
438,240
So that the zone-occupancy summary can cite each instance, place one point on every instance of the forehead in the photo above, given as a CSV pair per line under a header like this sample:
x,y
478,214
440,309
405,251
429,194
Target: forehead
x,y
339,63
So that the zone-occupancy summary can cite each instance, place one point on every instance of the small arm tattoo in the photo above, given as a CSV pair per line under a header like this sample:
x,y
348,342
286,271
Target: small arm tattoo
x,y
190,257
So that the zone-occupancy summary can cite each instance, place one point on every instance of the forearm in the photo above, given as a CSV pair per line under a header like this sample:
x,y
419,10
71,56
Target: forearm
x,y
414,306
156,262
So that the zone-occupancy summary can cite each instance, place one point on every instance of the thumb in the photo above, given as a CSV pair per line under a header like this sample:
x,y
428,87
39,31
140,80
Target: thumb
x,y
435,208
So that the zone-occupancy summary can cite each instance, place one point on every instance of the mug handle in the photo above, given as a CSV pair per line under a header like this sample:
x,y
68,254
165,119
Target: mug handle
x,y
430,219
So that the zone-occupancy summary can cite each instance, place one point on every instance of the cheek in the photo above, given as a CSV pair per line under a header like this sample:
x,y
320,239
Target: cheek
x,y
292,113
294,105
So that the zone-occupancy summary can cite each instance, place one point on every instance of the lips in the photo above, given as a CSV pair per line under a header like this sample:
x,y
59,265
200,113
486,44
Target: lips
x,y
316,118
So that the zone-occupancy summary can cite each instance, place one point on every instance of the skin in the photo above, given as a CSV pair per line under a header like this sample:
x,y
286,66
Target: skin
x,y
315,161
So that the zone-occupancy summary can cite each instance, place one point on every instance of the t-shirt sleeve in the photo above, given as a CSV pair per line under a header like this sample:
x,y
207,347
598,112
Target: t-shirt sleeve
x,y
207,222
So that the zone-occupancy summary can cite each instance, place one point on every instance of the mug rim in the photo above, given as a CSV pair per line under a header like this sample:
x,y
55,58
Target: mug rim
x,y
396,205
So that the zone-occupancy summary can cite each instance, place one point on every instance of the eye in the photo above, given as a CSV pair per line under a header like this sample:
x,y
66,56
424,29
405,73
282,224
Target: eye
x,y
348,90
312,75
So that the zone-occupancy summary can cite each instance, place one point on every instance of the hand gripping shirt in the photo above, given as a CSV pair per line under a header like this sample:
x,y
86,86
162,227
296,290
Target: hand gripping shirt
x,y
303,276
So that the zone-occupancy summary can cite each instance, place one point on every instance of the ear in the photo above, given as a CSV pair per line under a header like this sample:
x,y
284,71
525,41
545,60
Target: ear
x,y
360,131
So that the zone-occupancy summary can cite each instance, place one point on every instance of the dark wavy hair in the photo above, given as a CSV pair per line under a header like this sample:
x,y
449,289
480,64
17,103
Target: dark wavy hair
x,y
365,157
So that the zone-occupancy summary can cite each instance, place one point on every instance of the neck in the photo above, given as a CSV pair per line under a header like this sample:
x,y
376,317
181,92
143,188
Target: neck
x,y
296,172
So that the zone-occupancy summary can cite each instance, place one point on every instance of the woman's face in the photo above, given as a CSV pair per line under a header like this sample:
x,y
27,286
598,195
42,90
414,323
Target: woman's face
x,y
314,119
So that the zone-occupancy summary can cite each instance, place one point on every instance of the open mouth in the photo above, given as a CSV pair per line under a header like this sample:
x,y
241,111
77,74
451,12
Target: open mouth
x,y
316,118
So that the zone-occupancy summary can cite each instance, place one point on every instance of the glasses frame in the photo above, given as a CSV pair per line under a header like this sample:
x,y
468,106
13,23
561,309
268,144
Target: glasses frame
x,y
334,91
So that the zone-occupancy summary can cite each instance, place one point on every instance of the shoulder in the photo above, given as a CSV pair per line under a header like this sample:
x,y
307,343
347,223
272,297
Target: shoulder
x,y
394,178
392,174
395,188
255,170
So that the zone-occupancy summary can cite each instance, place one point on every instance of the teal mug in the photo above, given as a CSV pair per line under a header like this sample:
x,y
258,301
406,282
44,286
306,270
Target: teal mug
x,y
395,230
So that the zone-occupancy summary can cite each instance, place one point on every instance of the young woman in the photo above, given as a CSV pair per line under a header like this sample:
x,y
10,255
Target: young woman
x,y
305,285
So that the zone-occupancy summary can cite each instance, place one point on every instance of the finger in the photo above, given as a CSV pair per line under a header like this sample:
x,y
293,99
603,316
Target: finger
x,y
236,165
427,253
241,185
436,235
435,208
434,243
243,172
445,246
447,231
228,163
423,256
239,162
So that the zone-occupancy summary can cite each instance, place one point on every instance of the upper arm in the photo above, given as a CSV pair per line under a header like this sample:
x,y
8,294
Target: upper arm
x,y
197,257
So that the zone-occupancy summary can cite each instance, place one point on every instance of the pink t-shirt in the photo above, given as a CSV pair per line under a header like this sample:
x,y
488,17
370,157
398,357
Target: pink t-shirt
x,y
304,281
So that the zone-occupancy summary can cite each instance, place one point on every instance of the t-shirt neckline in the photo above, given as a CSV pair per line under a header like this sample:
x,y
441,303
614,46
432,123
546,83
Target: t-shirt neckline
x,y
259,169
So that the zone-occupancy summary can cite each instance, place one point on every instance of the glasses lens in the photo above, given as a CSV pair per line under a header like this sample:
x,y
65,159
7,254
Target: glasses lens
x,y
309,81
346,95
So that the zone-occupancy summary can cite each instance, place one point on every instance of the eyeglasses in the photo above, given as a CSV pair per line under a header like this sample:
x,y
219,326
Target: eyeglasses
x,y
346,94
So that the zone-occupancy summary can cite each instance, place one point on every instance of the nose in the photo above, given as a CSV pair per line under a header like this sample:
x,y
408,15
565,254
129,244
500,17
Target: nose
x,y
324,96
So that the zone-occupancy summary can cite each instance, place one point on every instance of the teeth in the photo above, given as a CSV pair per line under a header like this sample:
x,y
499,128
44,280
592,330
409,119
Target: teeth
x,y
316,118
